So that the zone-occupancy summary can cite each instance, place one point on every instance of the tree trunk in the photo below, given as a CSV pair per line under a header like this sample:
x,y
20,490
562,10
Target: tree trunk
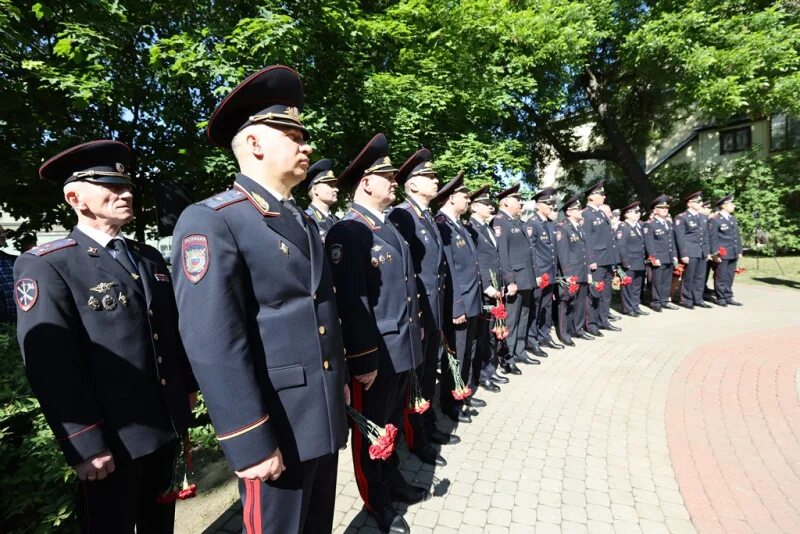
x,y
621,152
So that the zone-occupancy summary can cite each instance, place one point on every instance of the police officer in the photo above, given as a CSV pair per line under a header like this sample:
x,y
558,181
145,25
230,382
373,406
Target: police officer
x,y
258,313
463,303
630,242
691,228
323,194
516,263
377,297
602,256
414,221
98,329
490,353
723,232
574,271
659,245
542,235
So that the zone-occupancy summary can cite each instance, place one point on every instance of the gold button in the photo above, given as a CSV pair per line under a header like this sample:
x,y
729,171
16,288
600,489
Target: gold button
x,y
405,278
410,320
408,298
325,364
315,296
150,312
322,330
160,359
155,337
163,381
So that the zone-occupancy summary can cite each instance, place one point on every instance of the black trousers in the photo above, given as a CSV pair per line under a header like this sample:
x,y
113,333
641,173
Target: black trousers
x,y
632,293
126,499
723,280
301,500
417,426
661,285
463,339
518,308
541,315
600,301
382,403
693,282
572,311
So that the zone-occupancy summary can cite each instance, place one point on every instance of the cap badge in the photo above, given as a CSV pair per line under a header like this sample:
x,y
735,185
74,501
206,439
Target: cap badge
x,y
120,167
293,113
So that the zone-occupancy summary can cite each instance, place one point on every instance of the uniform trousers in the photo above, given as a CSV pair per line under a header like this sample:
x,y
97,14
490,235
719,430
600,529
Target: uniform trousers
x,y
542,315
462,338
518,308
632,293
600,301
723,280
693,283
417,426
572,311
300,500
661,285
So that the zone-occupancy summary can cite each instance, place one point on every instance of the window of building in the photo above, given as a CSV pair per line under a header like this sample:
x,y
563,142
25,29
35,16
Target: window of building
x,y
735,140
784,132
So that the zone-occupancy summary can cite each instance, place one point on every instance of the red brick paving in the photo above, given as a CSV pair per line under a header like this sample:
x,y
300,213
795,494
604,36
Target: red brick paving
x,y
733,428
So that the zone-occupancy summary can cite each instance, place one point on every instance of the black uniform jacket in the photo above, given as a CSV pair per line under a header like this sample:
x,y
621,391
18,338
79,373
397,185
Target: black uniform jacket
x,y
488,257
691,235
601,248
260,325
542,236
659,241
571,251
464,275
324,222
101,349
515,251
630,242
724,232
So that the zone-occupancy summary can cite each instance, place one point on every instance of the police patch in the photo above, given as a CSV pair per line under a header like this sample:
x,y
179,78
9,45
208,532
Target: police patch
x,y
558,235
26,293
619,234
530,231
336,253
498,231
196,258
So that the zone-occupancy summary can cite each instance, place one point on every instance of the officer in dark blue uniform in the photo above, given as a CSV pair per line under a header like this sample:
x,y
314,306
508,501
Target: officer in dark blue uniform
x,y
659,245
516,261
602,256
259,317
490,353
541,232
723,232
463,304
414,221
98,329
323,194
377,297
691,229
630,242
573,269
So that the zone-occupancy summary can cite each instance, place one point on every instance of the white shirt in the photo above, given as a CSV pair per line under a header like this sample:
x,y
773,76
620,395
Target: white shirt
x,y
102,238
275,194
326,211
374,213
454,221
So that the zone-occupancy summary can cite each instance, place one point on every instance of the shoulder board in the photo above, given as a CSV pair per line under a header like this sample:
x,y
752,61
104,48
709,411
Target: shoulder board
x,y
52,246
226,198
498,216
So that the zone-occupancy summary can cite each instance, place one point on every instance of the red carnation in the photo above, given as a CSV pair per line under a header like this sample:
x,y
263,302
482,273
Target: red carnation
x,y
499,311
627,281
573,288
600,286
723,252
545,281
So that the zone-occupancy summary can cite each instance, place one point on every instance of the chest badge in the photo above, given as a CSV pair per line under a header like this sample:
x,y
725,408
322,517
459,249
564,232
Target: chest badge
x,y
284,248
123,299
94,304
103,287
109,303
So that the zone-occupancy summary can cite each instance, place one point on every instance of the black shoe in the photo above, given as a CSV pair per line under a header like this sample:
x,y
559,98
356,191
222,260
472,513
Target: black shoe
x,y
703,305
567,342
734,303
595,332
584,335
429,456
613,317
442,438
538,352
390,521
610,327
510,368
688,306
497,379
464,416
722,303
656,309
670,306
641,311
488,385
550,344
457,414
631,314
474,402
526,360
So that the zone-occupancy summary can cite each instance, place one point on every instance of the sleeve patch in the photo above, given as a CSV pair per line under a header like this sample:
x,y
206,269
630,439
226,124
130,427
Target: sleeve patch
x,y
558,235
26,293
498,231
619,235
196,258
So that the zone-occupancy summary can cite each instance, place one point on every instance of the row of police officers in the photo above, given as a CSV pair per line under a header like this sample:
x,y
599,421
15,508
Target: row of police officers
x,y
282,317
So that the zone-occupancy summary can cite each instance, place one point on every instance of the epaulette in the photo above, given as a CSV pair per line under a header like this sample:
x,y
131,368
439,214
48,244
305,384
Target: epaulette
x,y
226,198
52,246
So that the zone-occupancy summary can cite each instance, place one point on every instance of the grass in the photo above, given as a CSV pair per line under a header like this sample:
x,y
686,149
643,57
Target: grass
x,y
772,271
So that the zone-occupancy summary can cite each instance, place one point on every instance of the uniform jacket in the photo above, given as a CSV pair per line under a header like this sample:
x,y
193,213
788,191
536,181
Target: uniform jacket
x,y
542,235
101,349
323,222
601,247
427,253
571,251
464,278
260,325
659,240
488,257
376,294
691,235
630,242
515,251
724,232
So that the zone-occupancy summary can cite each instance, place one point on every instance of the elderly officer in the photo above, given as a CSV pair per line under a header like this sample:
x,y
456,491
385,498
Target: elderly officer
x,y
602,256
630,242
258,313
463,304
98,328
489,353
542,234
414,221
691,229
516,263
659,245
323,194
573,268
723,233
377,296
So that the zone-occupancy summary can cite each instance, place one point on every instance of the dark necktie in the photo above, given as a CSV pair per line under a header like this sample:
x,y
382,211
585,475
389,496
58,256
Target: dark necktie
x,y
121,255
291,205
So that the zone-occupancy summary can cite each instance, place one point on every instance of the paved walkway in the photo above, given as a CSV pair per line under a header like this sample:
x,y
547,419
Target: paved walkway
x,y
686,421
